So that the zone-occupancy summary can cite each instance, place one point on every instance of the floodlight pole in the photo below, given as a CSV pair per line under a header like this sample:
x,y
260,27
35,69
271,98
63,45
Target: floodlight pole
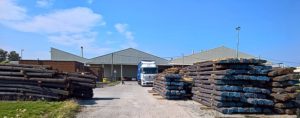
x,y
81,51
238,41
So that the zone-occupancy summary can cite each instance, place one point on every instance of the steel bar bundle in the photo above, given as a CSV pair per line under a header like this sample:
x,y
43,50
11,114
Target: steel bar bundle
x,y
29,82
284,90
233,86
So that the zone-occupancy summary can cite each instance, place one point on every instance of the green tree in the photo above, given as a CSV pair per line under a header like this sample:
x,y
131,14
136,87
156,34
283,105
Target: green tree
x,y
13,56
3,55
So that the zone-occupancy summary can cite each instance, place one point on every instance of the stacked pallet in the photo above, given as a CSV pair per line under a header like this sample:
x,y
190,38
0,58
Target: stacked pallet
x,y
233,86
28,82
284,90
169,84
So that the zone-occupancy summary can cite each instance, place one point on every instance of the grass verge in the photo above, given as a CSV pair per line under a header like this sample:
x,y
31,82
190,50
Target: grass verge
x,y
38,109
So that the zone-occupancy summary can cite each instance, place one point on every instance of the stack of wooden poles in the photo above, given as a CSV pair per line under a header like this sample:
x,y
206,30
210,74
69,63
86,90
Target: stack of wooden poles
x,y
29,82
284,85
233,86
81,85
187,74
170,85
189,71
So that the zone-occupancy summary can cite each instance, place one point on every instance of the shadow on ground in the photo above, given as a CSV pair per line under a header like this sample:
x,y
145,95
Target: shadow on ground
x,y
93,101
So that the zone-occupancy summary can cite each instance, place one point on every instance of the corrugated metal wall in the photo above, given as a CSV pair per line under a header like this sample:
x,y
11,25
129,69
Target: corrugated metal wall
x,y
129,71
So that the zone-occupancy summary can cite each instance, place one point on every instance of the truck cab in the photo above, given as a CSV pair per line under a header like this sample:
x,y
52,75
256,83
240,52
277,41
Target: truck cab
x,y
147,70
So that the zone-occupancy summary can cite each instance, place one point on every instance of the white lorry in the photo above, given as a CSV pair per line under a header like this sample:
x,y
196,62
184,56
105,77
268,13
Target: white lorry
x,y
147,70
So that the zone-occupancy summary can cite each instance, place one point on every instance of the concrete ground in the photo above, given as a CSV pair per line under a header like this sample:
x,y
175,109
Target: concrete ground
x,y
133,101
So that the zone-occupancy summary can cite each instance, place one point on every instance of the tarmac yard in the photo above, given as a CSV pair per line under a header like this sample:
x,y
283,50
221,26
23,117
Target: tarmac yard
x,y
133,101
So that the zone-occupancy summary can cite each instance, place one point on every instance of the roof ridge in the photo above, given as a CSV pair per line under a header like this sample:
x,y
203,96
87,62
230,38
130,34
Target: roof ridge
x,y
67,53
129,49
195,56
108,53
209,50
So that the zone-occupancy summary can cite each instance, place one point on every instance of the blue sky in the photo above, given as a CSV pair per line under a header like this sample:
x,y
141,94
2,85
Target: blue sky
x,y
169,28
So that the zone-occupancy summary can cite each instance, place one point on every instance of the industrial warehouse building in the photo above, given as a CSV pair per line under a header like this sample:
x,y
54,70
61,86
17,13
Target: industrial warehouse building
x,y
120,64
123,63
216,53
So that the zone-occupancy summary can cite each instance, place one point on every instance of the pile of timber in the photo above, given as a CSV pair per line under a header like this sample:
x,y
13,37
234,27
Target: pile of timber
x,y
81,85
188,85
188,79
284,90
173,70
233,86
189,71
29,82
171,85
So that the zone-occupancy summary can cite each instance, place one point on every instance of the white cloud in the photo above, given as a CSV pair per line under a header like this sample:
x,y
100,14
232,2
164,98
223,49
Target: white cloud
x,y
10,11
73,39
75,20
73,27
90,1
123,29
86,40
44,3
67,27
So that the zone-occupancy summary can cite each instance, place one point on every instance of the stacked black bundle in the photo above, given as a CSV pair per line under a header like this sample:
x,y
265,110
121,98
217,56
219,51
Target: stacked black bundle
x,y
170,86
284,90
81,85
233,86
28,82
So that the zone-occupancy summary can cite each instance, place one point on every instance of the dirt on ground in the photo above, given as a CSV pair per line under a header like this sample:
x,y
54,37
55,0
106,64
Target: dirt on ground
x,y
133,101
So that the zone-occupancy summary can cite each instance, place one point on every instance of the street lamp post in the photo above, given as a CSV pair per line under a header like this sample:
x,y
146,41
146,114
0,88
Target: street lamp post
x,y
238,41
81,51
